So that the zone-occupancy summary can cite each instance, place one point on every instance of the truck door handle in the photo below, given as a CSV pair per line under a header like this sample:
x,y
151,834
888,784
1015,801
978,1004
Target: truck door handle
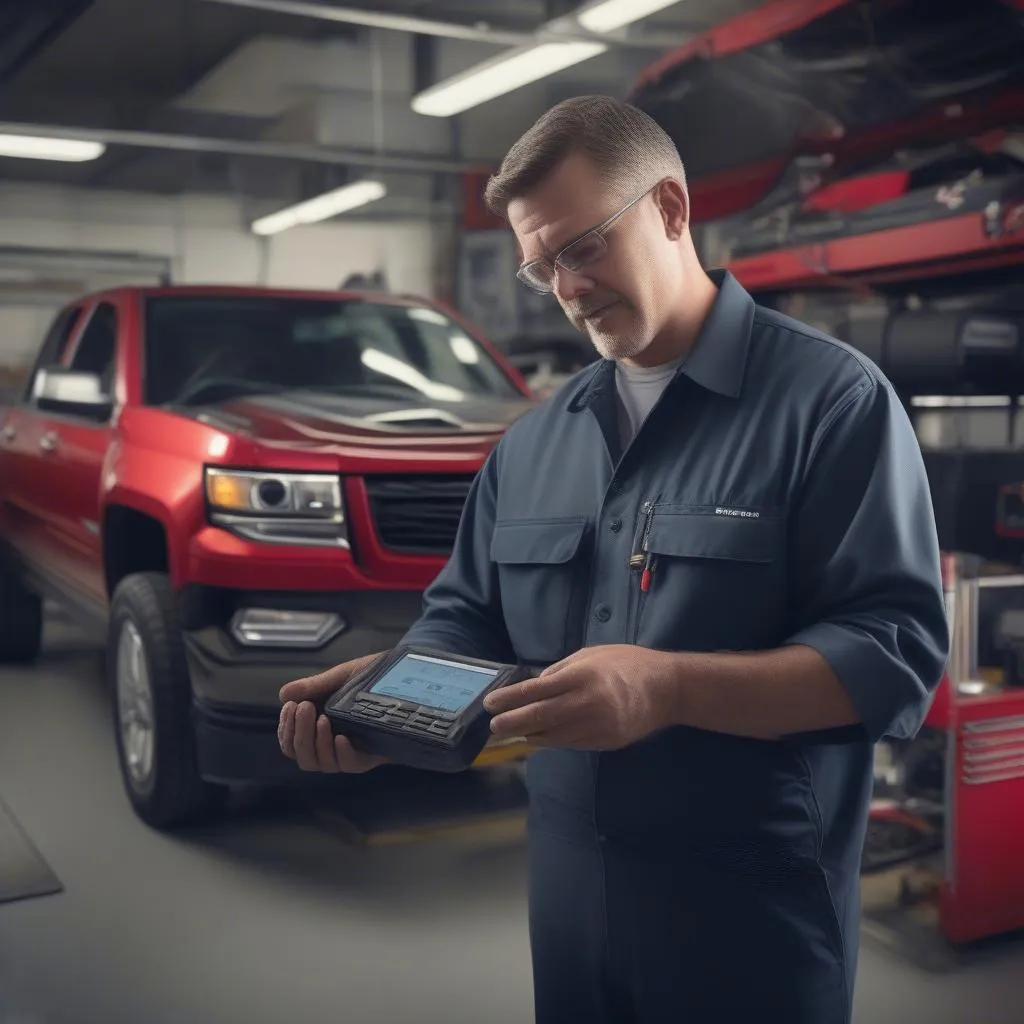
x,y
48,442
8,433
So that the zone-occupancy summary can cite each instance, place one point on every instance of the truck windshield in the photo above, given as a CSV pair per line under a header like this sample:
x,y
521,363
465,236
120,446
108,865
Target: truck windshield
x,y
206,349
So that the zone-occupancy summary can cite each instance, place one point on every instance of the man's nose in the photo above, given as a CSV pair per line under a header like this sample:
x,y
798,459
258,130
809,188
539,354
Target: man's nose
x,y
569,286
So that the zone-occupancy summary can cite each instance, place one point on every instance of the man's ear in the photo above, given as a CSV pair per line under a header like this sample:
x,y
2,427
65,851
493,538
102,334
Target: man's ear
x,y
674,203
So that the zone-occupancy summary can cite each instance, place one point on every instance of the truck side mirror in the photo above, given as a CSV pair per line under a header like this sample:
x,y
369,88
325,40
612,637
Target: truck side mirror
x,y
73,393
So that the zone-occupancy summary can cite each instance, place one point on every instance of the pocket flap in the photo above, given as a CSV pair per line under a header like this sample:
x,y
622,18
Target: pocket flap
x,y
703,535
544,542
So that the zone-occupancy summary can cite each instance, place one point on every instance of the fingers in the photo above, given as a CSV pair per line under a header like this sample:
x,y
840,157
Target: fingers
x,y
307,739
533,719
530,691
323,684
306,748
566,661
316,687
286,730
326,758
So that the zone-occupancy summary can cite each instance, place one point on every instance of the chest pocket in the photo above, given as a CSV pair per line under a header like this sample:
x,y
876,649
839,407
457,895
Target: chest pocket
x,y
718,582
540,571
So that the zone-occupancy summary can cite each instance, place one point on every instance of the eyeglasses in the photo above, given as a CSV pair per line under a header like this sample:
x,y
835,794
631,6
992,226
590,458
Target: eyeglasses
x,y
539,275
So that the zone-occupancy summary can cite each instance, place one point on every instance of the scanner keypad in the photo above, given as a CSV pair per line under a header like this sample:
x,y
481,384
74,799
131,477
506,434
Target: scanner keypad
x,y
408,718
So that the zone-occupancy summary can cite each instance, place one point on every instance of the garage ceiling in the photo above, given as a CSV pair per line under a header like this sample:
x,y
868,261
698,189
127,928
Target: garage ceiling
x,y
223,71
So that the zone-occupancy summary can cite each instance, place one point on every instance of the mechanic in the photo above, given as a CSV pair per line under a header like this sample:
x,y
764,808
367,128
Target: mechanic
x,y
720,538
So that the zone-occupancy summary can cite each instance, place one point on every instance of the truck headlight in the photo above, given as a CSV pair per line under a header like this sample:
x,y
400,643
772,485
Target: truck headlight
x,y
279,508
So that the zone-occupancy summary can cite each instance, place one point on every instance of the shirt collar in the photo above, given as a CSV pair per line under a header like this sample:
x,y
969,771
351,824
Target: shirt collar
x,y
718,358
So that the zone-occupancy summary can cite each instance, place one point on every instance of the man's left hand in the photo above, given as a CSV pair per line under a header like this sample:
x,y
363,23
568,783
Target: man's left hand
x,y
600,698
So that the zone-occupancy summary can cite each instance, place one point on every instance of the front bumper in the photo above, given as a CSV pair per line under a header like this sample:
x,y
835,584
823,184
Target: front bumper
x,y
235,703
235,687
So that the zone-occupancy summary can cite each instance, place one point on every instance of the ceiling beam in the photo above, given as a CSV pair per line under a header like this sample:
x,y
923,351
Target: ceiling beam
x,y
299,151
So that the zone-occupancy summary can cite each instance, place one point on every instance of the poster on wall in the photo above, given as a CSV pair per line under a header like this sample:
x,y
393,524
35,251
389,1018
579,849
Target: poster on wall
x,y
487,283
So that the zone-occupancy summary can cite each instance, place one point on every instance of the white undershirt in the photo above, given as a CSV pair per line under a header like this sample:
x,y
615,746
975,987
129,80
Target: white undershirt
x,y
639,389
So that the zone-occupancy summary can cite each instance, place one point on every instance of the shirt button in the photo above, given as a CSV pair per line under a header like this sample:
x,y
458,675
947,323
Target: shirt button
x,y
602,613
615,525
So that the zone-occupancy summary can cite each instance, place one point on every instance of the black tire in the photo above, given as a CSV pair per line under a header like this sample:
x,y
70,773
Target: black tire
x,y
21,619
169,793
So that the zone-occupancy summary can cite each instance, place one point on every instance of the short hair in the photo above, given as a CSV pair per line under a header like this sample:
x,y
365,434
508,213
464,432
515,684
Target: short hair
x,y
626,146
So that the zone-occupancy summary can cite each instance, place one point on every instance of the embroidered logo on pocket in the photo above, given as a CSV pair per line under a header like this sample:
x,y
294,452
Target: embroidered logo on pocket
x,y
738,513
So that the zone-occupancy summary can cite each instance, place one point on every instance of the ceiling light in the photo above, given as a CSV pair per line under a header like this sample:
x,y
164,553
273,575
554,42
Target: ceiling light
x,y
330,204
505,73
611,15
37,147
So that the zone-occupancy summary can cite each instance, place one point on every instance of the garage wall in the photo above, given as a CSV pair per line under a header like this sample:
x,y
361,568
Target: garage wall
x,y
207,241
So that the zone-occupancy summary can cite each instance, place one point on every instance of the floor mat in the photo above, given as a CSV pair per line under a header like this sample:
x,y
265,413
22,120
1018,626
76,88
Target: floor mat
x,y
23,872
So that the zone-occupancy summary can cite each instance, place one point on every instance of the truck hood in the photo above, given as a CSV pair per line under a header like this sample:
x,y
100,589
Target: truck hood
x,y
344,424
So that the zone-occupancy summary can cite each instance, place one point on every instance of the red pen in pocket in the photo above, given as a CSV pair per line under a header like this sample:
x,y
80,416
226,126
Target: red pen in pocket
x,y
650,565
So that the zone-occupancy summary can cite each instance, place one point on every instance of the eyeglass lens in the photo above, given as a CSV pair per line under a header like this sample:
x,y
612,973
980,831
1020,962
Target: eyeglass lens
x,y
582,253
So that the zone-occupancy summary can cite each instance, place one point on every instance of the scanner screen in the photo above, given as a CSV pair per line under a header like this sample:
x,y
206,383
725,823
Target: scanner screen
x,y
445,685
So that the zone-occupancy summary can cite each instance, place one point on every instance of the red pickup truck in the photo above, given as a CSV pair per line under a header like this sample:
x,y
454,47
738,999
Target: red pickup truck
x,y
240,487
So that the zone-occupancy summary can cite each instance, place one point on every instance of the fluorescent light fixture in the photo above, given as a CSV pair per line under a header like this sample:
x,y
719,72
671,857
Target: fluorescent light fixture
x,y
612,15
960,401
38,147
330,204
505,73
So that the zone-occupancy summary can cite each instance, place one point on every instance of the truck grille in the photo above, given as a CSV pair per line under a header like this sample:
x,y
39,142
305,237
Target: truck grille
x,y
418,514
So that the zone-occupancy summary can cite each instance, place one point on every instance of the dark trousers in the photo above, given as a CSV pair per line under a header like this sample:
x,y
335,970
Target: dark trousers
x,y
624,933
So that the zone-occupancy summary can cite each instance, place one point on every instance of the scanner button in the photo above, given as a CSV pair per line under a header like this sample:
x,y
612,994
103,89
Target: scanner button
x,y
440,727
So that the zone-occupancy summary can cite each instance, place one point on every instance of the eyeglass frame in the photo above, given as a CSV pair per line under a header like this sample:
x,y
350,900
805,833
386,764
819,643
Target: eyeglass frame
x,y
598,231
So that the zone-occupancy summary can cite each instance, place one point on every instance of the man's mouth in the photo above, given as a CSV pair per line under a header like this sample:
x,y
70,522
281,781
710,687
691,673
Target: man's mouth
x,y
593,314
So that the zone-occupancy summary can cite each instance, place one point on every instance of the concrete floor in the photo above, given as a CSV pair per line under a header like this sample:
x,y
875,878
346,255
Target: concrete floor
x,y
268,918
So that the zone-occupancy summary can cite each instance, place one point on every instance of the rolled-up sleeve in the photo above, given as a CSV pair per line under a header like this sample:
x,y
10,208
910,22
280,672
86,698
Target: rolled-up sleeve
x,y
865,565
462,610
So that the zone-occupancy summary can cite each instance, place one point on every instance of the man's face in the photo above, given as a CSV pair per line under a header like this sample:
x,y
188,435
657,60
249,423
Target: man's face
x,y
620,300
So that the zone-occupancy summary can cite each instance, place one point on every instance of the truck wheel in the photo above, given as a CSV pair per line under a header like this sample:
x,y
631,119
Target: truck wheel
x,y
152,707
21,619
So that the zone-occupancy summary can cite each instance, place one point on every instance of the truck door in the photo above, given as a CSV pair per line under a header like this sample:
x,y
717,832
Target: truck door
x,y
25,468
80,448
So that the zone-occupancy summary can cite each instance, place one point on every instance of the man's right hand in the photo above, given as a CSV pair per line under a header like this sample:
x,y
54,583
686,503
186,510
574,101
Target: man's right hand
x,y
305,735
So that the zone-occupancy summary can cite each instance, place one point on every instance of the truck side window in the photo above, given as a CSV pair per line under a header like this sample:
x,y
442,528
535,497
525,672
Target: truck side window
x,y
54,346
97,350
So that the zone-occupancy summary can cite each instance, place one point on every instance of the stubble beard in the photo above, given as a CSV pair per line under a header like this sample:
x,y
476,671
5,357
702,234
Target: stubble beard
x,y
620,345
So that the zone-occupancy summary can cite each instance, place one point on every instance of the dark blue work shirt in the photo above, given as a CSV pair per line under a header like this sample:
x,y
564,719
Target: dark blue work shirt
x,y
779,492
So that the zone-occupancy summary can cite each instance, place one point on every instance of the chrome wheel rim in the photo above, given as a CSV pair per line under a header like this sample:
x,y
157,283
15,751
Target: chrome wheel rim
x,y
135,704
